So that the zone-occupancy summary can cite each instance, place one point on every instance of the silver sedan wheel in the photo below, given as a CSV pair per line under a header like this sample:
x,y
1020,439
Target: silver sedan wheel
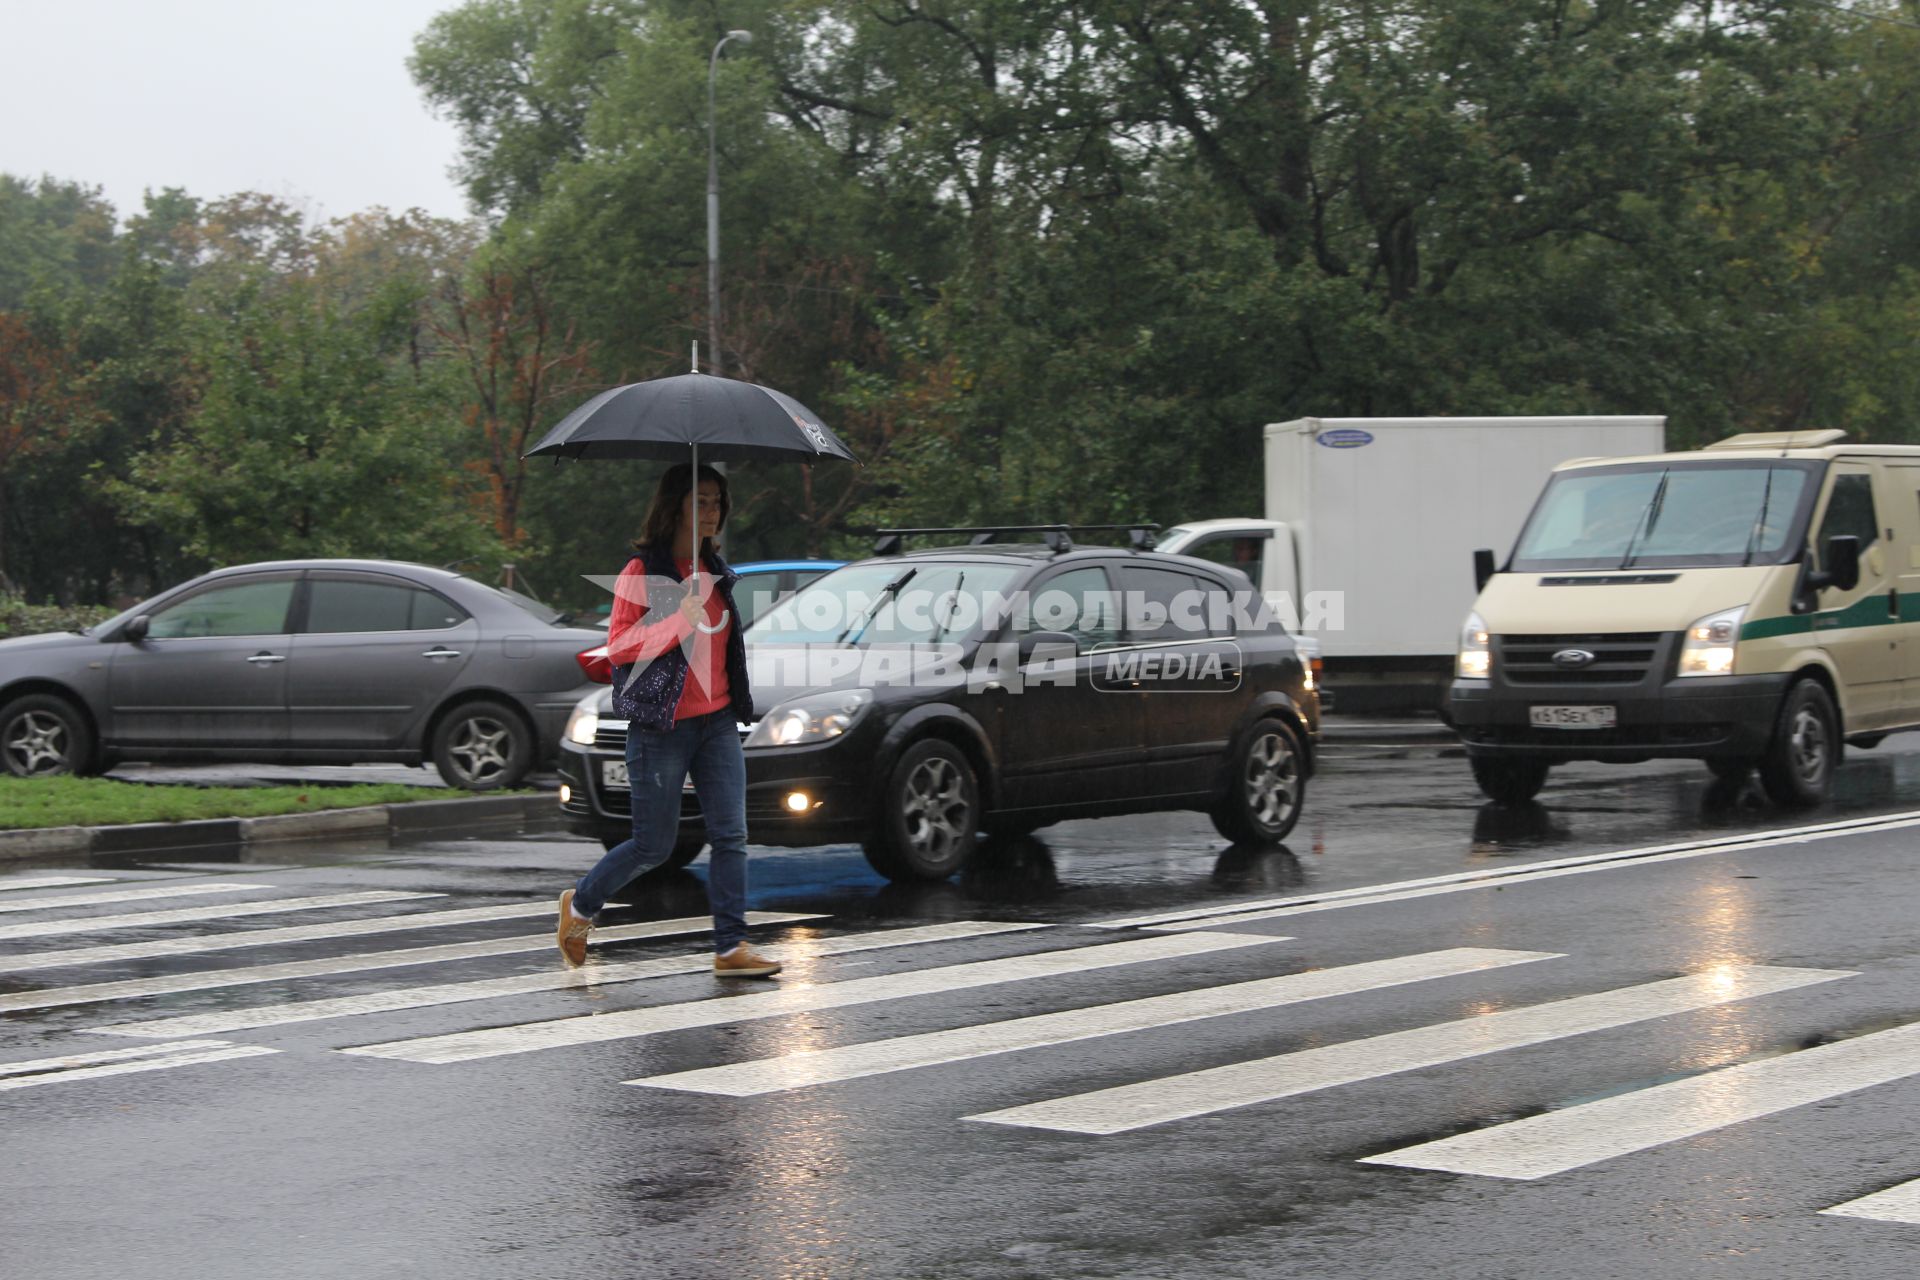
x,y
481,748
37,745
935,807
1272,779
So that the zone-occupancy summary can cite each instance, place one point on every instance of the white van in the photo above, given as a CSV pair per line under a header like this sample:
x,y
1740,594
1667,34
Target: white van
x,y
1754,603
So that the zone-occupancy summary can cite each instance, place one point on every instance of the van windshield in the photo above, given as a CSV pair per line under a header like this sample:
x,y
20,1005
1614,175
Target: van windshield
x,y
1669,516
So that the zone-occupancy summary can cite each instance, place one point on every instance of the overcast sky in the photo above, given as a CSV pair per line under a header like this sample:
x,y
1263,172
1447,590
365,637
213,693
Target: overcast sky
x,y
310,101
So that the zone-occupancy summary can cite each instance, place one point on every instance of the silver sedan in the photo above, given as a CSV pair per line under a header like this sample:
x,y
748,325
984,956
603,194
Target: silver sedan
x,y
302,662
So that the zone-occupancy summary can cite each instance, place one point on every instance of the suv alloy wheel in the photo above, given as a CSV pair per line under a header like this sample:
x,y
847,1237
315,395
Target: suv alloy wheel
x,y
929,814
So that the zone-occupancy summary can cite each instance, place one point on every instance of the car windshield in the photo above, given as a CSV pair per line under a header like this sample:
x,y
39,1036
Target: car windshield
x,y
1668,515
887,602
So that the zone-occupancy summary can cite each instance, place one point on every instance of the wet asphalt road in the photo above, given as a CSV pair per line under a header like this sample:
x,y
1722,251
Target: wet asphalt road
x,y
306,1161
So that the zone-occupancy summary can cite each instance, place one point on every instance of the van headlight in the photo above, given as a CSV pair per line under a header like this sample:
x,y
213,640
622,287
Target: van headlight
x,y
583,724
1710,643
814,718
1475,660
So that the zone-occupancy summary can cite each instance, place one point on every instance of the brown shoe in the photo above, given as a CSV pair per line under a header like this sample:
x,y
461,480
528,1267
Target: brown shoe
x,y
741,962
572,933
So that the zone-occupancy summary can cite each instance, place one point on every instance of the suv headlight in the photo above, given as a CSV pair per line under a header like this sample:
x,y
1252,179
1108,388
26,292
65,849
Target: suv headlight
x,y
1709,646
583,723
814,718
1475,659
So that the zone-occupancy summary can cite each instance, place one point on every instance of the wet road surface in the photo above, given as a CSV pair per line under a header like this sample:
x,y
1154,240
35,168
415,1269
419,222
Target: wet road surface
x,y
1119,1049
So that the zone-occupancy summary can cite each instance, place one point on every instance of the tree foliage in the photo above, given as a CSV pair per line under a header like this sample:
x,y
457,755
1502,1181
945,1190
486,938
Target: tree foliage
x,y
1046,260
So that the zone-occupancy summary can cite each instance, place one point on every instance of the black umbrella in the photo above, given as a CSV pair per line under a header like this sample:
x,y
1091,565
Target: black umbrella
x,y
730,421
727,420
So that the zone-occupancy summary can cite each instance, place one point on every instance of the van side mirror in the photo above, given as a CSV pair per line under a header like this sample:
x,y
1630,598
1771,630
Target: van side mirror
x,y
1483,568
1842,565
136,629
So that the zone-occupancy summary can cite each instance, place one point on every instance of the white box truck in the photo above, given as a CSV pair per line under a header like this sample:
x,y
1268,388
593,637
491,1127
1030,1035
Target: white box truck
x,y
1371,525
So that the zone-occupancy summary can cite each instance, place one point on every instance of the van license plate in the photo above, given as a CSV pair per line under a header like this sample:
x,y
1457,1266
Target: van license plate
x,y
613,775
1572,717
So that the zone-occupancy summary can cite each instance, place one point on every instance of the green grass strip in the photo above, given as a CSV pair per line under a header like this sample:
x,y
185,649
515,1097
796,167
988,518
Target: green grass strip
x,y
100,802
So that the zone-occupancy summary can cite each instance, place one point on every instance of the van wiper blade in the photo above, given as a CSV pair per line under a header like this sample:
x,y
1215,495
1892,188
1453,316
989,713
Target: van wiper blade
x,y
858,626
1753,539
1648,518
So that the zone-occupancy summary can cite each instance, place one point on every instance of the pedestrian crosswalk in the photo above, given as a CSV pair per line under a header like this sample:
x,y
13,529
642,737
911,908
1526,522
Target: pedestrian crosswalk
x,y
1250,985
119,1062
15,883
1242,1084
67,901
485,989
495,1042
820,1066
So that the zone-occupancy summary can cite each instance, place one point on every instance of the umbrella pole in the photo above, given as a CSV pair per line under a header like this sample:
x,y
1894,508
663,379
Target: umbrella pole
x,y
693,522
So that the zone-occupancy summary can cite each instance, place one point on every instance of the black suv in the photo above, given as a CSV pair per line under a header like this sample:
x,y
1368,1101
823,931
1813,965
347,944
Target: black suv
x,y
915,700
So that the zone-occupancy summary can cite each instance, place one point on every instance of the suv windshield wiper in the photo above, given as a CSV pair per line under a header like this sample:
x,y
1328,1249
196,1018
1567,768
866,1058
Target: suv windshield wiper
x,y
953,602
1648,519
858,626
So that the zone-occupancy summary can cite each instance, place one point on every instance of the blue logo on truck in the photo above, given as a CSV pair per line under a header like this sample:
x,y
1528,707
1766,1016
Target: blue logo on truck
x,y
1344,438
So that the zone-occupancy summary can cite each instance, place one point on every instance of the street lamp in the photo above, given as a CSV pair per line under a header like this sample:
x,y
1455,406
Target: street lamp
x,y
713,207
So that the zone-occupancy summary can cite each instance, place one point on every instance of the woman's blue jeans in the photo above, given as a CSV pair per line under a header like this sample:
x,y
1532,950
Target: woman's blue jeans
x,y
658,763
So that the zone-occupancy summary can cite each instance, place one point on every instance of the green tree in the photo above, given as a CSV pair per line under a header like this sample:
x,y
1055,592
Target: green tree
x,y
313,436
56,238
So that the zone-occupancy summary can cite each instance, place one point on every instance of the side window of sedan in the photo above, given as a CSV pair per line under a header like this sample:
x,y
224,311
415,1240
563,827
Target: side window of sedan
x,y
341,605
256,608
1080,602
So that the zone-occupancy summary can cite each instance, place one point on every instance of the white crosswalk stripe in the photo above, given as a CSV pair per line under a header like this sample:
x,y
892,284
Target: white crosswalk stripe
x,y
1543,1145
51,882
1136,1106
521,984
1204,917
206,980
1895,1204
820,1066
63,901
188,915
119,1062
205,942
597,1028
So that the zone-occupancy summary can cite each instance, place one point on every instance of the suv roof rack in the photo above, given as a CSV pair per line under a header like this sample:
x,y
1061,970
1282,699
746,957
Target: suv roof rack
x,y
888,542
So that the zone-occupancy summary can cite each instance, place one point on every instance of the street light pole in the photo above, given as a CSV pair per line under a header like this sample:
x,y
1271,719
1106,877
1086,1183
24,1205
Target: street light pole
x,y
713,206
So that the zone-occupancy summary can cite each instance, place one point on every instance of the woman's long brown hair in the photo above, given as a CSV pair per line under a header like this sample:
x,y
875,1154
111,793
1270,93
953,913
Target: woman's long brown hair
x,y
664,519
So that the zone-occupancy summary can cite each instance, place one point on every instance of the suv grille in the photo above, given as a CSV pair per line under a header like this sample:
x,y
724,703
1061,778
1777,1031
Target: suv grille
x,y
1620,658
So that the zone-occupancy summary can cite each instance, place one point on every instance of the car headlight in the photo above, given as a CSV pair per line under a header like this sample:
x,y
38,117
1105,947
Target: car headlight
x,y
583,724
1475,660
814,718
1708,649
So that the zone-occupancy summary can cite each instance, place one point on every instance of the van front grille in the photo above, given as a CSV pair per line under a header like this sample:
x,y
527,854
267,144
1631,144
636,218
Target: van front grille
x,y
1619,658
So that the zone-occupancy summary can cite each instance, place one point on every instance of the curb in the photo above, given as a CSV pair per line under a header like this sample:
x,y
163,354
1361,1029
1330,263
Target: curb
x,y
381,821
